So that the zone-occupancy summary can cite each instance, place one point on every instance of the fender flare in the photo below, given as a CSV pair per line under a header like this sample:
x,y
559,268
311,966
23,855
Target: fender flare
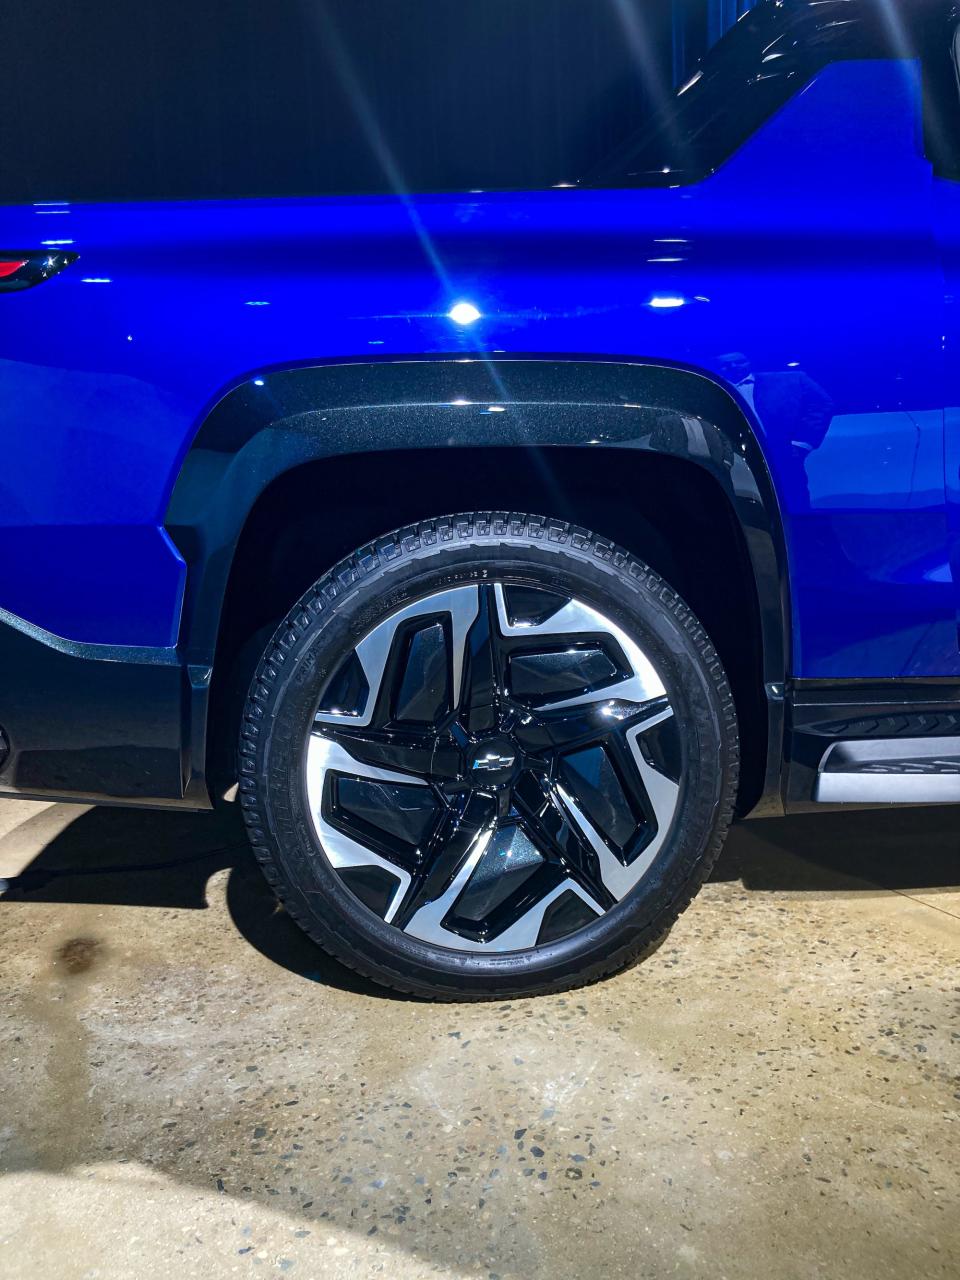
x,y
276,421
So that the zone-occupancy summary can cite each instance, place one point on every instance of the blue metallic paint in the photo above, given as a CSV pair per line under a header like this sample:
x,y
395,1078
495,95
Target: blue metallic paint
x,y
812,253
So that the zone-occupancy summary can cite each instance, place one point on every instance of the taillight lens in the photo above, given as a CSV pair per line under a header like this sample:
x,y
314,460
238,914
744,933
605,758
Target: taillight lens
x,y
24,269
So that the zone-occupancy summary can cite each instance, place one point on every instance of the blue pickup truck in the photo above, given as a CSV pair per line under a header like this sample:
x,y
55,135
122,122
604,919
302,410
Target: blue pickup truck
x,y
495,550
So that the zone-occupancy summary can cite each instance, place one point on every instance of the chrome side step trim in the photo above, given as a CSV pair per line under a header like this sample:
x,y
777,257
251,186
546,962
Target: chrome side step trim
x,y
890,771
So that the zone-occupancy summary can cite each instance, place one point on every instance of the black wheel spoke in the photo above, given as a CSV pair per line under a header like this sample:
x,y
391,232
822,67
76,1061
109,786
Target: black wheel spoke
x,y
559,839
482,692
403,752
463,822
547,733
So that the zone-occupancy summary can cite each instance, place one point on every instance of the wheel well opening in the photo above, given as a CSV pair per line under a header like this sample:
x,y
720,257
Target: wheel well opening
x,y
669,513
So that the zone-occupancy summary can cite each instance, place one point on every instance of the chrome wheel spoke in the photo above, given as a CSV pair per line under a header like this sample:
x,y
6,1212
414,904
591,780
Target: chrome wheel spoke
x,y
377,672
623,805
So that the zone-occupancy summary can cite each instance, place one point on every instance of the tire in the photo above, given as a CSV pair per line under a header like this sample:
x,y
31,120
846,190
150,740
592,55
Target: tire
x,y
488,755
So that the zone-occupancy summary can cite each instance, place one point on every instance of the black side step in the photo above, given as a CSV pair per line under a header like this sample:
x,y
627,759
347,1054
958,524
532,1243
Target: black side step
x,y
890,771
869,743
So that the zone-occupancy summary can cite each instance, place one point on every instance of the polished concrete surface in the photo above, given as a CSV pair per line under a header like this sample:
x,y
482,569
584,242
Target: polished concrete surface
x,y
190,1089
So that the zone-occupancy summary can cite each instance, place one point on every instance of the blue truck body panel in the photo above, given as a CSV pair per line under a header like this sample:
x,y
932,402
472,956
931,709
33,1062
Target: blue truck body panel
x,y
807,276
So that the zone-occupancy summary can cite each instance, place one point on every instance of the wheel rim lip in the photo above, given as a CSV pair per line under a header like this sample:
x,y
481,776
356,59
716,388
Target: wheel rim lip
x,y
498,945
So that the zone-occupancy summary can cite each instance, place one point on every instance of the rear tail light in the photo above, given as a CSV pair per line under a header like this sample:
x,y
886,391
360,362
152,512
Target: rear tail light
x,y
23,269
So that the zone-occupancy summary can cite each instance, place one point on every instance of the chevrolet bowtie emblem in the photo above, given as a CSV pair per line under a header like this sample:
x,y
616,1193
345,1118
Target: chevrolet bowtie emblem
x,y
493,760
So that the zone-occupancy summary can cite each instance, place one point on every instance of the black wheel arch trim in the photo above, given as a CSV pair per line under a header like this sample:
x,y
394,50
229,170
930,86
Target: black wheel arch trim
x,y
276,421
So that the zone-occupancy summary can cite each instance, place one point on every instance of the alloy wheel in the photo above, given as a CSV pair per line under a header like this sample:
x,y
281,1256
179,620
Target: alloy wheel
x,y
493,767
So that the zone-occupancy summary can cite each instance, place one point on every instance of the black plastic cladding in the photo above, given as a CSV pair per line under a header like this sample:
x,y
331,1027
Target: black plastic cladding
x,y
269,426
95,723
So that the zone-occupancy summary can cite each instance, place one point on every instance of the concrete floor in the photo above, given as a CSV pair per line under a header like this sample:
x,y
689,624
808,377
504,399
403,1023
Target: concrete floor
x,y
189,1088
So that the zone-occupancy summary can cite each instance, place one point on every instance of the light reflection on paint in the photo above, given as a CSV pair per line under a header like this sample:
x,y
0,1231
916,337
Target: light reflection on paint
x,y
463,313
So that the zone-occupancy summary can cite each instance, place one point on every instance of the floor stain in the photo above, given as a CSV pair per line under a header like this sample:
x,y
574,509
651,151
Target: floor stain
x,y
77,955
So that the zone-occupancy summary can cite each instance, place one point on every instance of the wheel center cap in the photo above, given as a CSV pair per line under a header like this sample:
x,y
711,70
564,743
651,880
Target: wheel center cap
x,y
492,763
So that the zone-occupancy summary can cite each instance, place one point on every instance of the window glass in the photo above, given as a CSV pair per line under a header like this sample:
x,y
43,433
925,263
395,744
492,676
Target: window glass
x,y
941,96
758,66
942,101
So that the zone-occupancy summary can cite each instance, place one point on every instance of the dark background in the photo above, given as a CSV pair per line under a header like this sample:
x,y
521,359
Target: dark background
x,y
188,98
